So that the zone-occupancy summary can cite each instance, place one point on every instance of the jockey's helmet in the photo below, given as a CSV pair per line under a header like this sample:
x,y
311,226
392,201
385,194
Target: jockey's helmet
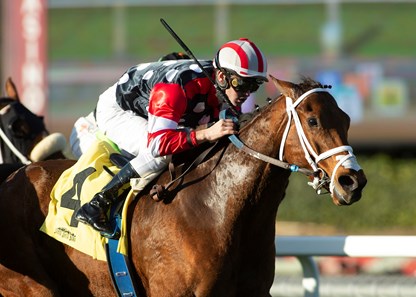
x,y
242,57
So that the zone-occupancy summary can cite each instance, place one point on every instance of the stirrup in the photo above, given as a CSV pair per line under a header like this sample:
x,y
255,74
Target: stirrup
x,y
114,220
115,235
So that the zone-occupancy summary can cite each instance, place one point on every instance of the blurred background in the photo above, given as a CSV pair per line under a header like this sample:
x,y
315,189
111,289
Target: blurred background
x,y
70,51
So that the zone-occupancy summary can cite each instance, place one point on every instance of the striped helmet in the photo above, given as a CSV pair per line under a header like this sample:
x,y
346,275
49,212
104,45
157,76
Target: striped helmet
x,y
243,57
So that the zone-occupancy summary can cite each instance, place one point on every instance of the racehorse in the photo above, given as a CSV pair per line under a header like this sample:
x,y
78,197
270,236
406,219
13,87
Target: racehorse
x,y
23,136
215,235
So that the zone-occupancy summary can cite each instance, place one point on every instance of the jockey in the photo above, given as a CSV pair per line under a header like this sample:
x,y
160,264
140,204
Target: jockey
x,y
154,109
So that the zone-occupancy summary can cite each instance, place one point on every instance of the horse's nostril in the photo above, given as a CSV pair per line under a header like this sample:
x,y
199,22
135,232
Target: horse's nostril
x,y
348,182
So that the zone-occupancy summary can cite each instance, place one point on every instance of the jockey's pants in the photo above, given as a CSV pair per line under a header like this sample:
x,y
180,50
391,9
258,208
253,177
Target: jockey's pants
x,y
124,128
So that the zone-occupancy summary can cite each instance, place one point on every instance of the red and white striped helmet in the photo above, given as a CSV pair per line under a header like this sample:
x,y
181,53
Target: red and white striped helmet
x,y
243,57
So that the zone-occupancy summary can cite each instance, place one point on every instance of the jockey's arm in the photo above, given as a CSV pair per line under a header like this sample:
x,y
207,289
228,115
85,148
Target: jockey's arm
x,y
167,104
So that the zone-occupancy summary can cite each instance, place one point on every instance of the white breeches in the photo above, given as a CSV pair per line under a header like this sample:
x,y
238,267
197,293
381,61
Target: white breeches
x,y
124,128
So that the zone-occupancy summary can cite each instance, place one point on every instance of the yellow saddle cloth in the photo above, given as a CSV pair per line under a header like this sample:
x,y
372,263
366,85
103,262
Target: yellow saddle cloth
x,y
76,186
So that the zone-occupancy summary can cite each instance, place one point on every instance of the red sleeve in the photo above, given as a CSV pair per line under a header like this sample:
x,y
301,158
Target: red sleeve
x,y
167,104
204,86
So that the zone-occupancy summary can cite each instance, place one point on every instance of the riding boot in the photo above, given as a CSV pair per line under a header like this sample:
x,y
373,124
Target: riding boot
x,y
94,213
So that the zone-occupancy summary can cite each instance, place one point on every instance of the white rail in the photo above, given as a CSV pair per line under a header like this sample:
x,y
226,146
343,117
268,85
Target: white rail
x,y
305,247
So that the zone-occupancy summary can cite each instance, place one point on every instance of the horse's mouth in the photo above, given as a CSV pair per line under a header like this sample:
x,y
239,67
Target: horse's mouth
x,y
344,200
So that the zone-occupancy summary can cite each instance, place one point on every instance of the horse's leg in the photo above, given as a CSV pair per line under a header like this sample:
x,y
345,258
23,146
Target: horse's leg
x,y
15,284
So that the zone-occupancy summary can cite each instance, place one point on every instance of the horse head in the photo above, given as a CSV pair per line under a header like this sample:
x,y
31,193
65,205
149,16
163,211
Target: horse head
x,y
24,137
316,131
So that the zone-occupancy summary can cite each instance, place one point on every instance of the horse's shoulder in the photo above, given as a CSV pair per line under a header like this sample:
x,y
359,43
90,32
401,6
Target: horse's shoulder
x,y
44,170
51,165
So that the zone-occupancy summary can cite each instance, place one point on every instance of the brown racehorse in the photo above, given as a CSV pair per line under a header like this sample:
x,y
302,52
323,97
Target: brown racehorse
x,y
23,135
215,236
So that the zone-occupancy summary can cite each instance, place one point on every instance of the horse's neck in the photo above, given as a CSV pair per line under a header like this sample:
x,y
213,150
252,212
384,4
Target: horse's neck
x,y
265,132
242,181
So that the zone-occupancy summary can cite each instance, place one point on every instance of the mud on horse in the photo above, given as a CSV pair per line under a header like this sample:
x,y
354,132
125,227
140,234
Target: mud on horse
x,y
23,136
215,234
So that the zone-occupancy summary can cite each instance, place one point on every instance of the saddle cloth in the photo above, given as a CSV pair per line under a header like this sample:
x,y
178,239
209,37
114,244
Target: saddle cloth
x,y
76,186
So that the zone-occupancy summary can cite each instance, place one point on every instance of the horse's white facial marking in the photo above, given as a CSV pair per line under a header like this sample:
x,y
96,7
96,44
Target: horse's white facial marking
x,y
5,110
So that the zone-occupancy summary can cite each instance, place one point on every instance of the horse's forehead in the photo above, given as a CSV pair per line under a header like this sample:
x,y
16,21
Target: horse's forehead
x,y
322,101
17,110
324,106
20,109
5,103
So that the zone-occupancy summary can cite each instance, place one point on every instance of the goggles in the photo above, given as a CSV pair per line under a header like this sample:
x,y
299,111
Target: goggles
x,y
244,85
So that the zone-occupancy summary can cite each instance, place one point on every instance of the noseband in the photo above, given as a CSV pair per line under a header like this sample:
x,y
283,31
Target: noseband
x,y
320,178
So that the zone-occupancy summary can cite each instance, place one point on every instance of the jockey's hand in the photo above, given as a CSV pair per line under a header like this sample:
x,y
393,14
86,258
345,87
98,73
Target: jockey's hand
x,y
216,131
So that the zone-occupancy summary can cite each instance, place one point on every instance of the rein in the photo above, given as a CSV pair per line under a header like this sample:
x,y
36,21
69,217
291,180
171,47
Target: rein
x,y
158,192
320,178
240,145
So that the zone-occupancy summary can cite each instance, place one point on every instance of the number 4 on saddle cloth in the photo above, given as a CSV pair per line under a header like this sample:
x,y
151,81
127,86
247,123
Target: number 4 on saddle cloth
x,y
76,186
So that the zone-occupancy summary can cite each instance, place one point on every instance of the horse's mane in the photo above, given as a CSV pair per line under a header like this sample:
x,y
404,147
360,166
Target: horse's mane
x,y
307,84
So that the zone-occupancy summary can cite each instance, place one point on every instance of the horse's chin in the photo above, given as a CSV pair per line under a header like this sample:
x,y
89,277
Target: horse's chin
x,y
51,144
345,199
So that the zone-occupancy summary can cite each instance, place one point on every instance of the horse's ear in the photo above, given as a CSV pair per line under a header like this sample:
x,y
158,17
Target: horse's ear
x,y
11,90
284,87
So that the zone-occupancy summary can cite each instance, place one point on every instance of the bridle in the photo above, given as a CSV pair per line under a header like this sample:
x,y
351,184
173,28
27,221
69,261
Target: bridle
x,y
320,179
6,139
14,150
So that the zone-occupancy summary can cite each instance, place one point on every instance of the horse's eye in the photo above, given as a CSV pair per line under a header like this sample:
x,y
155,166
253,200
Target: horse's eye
x,y
312,122
20,128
